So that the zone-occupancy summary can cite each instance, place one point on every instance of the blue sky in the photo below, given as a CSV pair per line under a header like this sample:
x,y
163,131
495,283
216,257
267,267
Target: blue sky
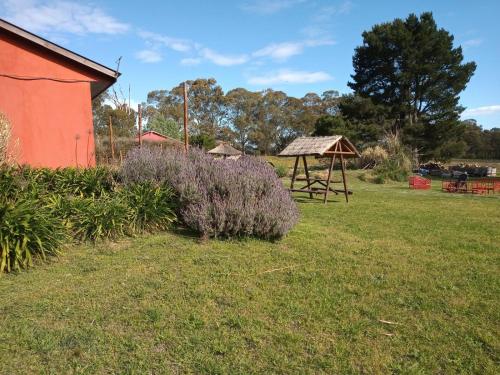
x,y
297,46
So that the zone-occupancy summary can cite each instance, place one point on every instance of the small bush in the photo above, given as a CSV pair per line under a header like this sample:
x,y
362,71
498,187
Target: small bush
x,y
76,181
373,156
218,198
397,166
35,182
7,149
108,217
27,230
152,206
281,171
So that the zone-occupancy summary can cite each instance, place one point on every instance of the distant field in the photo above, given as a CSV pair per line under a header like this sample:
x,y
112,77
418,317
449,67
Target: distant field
x,y
480,162
289,161
396,281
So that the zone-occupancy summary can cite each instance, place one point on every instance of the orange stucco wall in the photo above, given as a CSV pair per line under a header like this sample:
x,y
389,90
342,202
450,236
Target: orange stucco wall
x,y
51,121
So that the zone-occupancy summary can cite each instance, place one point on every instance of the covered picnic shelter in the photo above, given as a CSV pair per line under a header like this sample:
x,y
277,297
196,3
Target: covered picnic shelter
x,y
225,149
335,147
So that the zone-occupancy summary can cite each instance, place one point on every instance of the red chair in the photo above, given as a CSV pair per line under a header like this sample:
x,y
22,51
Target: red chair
x,y
419,183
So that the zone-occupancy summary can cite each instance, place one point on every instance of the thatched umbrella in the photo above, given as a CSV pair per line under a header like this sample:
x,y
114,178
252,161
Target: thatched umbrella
x,y
225,150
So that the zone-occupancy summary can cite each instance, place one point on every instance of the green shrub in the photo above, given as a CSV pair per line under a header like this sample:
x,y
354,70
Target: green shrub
x,y
83,182
218,198
397,166
152,206
373,156
281,171
106,217
27,230
40,207
35,182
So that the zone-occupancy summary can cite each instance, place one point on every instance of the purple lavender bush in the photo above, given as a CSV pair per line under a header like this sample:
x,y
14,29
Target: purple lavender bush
x,y
217,198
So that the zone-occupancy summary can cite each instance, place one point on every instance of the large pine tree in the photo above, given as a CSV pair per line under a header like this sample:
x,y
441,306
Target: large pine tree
x,y
411,67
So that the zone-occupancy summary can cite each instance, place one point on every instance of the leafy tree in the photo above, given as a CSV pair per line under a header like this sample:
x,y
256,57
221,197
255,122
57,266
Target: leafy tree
x,y
480,143
206,108
204,141
411,67
330,125
241,110
123,118
330,101
271,132
165,126
167,103
366,122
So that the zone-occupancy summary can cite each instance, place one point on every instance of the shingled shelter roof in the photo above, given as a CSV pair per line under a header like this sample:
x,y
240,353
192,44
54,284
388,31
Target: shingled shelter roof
x,y
318,146
225,149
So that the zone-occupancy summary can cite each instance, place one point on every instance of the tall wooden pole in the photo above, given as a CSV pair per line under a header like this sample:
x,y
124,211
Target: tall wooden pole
x,y
294,172
111,144
139,109
186,140
346,192
307,175
327,189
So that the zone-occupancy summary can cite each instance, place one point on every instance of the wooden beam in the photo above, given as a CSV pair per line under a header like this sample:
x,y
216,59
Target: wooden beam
x,y
316,180
307,174
331,153
139,122
111,144
294,172
186,135
328,179
310,191
344,178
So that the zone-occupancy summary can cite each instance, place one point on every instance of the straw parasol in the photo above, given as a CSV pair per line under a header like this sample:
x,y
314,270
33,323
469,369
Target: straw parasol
x,y
225,149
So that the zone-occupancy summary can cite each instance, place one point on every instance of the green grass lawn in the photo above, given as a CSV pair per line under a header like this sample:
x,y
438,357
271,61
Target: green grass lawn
x,y
310,303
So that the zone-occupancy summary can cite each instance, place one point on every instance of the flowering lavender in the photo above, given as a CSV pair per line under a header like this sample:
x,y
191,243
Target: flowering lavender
x,y
218,198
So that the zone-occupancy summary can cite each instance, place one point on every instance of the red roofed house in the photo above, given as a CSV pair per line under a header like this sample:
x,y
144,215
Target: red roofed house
x,y
46,92
152,136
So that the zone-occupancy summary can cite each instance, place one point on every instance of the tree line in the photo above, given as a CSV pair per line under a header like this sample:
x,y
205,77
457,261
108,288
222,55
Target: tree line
x,y
407,80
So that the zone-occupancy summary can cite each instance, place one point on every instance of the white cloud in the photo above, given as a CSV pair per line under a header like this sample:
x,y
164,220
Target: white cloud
x,y
61,16
223,60
269,6
280,51
326,13
190,61
480,111
179,45
472,43
290,77
283,51
149,56
323,19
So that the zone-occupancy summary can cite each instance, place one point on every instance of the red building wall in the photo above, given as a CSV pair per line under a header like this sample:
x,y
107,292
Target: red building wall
x,y
51,121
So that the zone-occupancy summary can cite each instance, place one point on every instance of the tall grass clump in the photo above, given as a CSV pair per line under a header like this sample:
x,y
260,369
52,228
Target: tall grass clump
x,y
281,171
27,230
217,198
6,156
373,156
151,206
398,164
108,217
41,208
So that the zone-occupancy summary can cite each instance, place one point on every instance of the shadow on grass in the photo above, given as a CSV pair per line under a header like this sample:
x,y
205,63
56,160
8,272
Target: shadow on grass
x,y
185,232
317,199
192,235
